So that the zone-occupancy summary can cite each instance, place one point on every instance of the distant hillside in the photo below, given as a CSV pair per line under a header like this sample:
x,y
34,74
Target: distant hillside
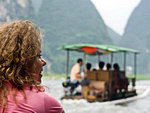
x,y
114,36
69,22
137,34
14,9
63,22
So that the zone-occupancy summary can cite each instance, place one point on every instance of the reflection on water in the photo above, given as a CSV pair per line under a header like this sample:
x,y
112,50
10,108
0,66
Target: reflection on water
x,y
138,106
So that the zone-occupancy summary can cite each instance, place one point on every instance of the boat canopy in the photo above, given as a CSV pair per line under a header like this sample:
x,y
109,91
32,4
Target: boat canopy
x,y
98,49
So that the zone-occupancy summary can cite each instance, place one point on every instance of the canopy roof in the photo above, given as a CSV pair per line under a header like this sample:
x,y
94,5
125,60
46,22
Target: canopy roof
x,y
98,49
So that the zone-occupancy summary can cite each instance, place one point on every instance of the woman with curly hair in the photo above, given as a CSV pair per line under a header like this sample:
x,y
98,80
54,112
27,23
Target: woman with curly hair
x,y
20,71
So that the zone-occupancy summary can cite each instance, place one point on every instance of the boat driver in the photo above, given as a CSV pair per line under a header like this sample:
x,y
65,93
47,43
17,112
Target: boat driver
x,y
75,71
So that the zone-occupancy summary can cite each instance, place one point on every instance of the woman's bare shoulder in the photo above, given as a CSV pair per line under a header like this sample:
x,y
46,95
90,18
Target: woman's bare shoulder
x,y
51,104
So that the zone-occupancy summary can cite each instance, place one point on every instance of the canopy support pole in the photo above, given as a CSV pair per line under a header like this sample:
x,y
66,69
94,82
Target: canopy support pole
x,y
135,65
111,58
110,84
67,65
99,58
84,61
124,61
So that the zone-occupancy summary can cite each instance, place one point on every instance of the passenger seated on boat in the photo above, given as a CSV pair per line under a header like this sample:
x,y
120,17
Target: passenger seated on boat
x,y
88,66
101,65
116,67
108,66
122,81
118,78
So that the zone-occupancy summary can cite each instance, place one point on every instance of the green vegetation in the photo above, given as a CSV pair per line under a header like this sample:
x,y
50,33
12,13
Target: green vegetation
x,y
77,21
63,76
68,22
54,77
144,77
141,77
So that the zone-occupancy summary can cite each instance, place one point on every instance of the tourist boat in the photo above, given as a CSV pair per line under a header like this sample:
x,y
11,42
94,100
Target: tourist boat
x,y
100,85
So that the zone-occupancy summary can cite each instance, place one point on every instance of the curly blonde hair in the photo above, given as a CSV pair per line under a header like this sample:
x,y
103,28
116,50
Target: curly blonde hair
x,y
20,43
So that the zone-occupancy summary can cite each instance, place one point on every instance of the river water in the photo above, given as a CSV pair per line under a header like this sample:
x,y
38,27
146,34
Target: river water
x,y
138,106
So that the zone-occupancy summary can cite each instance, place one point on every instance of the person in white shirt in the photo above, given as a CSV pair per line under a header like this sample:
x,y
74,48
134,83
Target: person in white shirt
x,y
75,71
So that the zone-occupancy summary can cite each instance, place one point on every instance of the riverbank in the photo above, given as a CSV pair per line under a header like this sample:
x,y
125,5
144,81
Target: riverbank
x,y
63,77
54,77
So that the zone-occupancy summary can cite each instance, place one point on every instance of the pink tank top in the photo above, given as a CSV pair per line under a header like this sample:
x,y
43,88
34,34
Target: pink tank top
x,y
36,102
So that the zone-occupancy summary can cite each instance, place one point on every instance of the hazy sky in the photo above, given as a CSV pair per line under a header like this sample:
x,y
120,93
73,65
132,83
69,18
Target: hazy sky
x,y
115,13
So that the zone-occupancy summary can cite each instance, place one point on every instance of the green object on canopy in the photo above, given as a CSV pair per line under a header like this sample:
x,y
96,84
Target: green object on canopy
x,y
98,49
